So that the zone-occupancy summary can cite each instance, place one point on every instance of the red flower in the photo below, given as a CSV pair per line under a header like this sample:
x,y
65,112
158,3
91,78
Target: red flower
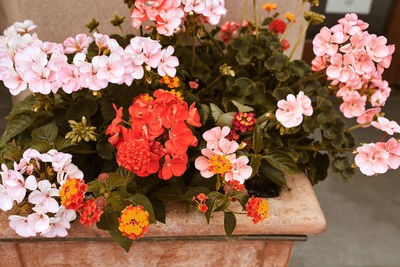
x,y
285,45
115,129
194,117
277,26
193,85
244,121
180,138
90,213
203,207
173,167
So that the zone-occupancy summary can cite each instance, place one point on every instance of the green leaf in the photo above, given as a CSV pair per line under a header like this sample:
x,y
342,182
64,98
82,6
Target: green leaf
x,y
41,146
243,199
281,93
108,219
116,201
277,61
95,187
255,164
241,107
85,107
105,150
229,223
282,161
204,113
62,143
275,175
142,200
17,125
169,193
216,112
114,180
224,205
123,241
258,144
46,133
225,119
212,197
159,209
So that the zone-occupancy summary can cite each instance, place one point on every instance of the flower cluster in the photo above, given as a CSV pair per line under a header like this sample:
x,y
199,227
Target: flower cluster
x,y
219,157
379,157
72,194
277,26
200,202
159,135
244,121
43,67
354,60
290,111
257,209
133,222
168,15
43,213
230,30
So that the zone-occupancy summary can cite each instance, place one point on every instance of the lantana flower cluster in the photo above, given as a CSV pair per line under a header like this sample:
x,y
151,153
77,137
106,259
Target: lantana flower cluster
x,y
27,189
290,111
257,208
134,222
219,157
158,137
168,15
354,60
26,62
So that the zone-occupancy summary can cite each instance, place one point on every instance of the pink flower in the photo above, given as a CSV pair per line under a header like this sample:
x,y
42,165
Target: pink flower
x,y
319,63
168,62
70,78
305,103
368,116
22,226
378,99
322,43
39,221
78,44
38,80
240,170
43,199
13,81
229,30
60,222
214,11
339,67
138,14
215,135
383,124
6,202
110,68
24,27
352,24
372,159
393,148
289,112
353,105
193,85
377,48
169,20
15,185
101,40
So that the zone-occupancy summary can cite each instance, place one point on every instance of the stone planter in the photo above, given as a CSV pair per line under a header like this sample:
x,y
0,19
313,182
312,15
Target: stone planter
x,y
186,239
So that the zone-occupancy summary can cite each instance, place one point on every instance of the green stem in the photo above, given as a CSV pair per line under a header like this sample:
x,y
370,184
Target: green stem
x,y
211,84
299,39
315,75
213,39
141,30
194,52
315,148
358,126
122,31
299,9
255,17
246,2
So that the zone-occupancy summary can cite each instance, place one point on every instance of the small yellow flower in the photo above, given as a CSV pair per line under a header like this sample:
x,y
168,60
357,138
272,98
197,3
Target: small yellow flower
x,y
226,70
268,7
290,17
81,131
171,82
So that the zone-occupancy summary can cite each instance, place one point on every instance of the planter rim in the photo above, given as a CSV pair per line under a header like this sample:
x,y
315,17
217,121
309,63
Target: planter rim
x,y
295,212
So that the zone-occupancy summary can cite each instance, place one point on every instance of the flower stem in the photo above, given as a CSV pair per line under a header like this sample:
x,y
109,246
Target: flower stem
x,y
315,75
383,138
299,9
122,31
299,39
211,84
358,126
246,2
193,52
141,30
255,17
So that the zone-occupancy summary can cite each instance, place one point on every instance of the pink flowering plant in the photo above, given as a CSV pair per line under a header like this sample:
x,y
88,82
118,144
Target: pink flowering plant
x,y
118,125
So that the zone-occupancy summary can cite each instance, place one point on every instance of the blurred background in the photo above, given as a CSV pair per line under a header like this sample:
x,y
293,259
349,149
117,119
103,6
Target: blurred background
x,y
363,215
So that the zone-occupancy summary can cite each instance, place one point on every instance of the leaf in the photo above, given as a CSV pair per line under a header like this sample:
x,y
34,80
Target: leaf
x,y
105,150
159,209
142,200
108,219
195,191
243,199
212,197
277,61
224,205
241,107
62,143
258,144
204,113
216,112
169,193
123,241
46,133
226,119
85,107
229,223
255,164
114,180
41,146
17,125
282,161
116,201
95,187
275,175
282,93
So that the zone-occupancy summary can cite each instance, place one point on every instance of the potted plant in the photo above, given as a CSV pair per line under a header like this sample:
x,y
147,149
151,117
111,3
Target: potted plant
x,y
133,133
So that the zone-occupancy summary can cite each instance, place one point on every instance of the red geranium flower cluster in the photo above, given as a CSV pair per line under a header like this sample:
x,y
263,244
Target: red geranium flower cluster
x,y
277,26
158,137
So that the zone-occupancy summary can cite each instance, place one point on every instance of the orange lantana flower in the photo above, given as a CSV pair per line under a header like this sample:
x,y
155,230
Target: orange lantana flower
x,y
133,222
72,193
290,17
268,7
257,208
